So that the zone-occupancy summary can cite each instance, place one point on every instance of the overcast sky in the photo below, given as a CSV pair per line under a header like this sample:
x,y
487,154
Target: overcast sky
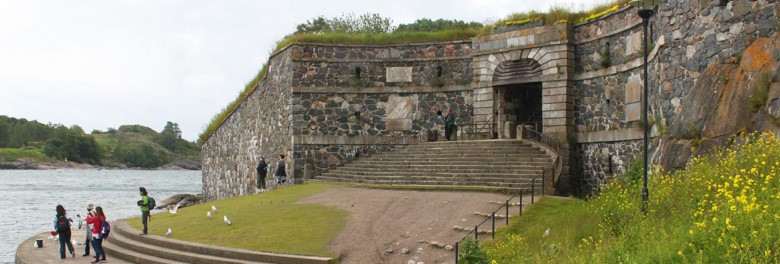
x,y
101,64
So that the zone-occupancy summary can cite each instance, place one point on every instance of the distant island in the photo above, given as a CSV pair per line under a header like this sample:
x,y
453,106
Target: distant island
x,y
29,144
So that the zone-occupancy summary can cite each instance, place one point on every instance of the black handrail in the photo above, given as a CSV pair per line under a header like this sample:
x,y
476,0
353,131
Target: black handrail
x,y
492,216
551,143
485,124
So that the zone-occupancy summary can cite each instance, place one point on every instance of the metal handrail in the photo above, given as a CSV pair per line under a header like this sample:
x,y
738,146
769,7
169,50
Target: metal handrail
x,y
475,231
551,143
485,124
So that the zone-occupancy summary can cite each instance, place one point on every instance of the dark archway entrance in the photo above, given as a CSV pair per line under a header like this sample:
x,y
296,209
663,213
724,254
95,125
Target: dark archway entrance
x,y
521,104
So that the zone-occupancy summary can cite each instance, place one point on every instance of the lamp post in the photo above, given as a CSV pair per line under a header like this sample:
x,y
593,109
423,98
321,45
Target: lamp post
x,y
645,11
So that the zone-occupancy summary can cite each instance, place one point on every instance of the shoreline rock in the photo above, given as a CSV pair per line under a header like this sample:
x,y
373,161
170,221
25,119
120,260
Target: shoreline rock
x,y
26,164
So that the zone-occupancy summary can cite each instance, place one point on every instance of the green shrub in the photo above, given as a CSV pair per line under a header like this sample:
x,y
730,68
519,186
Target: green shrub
x,y
14,154
471,253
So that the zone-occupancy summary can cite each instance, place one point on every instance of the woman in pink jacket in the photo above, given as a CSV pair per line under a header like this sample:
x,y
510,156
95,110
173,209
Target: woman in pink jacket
x,y
97,243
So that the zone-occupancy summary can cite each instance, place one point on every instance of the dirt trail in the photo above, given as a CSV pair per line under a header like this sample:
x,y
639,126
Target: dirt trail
x,y
390,220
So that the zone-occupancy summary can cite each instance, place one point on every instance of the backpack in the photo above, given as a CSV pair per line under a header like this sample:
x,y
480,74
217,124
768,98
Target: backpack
x,y
105,229
63,225
152,203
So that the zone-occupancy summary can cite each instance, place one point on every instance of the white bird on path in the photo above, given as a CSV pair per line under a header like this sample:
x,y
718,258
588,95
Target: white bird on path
x,y
169,233
208,214
227,221
213,208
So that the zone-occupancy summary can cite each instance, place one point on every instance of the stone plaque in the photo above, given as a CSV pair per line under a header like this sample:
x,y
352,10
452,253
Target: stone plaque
x,y
634,89
633,111
400,112
399,74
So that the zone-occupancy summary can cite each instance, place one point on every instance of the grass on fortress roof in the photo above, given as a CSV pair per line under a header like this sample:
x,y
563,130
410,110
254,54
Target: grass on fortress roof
x,y
270,222
723,208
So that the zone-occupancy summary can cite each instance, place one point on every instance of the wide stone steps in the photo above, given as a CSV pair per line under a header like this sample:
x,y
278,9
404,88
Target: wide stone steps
x,y
449,175
423,169
484,179
519,187
499,164
125,243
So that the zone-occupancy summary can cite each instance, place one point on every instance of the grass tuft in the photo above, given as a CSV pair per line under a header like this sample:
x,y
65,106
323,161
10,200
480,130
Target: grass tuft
x,y
14,154
269,222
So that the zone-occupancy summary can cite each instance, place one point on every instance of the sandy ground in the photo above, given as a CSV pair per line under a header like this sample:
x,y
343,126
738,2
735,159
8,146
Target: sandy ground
x,y
50,252
383,222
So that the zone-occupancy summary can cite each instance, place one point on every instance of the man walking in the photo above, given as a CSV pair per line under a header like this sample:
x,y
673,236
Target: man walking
x,y
262,171
449,124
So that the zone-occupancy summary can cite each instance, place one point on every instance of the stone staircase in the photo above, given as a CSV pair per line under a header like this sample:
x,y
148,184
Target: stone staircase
x,y
496,164
125,243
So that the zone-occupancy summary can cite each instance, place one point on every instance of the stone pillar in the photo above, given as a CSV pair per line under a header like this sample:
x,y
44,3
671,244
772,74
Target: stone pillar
x,y
519,131
308,171
508,131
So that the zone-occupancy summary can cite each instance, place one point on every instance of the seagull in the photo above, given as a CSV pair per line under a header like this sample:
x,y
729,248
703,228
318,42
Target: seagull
x,y
169,233
174,209
213,208
208,214
227,221
76,242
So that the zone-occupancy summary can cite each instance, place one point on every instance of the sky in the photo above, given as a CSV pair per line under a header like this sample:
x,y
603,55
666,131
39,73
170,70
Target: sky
x,y
101,64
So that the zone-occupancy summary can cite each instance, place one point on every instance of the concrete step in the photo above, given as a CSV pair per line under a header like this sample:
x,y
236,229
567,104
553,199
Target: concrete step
x,y
132,256
452,175
425,169
498,185
481,162
119,240
232,254
414,179
449,155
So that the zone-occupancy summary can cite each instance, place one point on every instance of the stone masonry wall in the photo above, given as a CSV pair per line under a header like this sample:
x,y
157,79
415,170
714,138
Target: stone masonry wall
x,y
685,38
261,125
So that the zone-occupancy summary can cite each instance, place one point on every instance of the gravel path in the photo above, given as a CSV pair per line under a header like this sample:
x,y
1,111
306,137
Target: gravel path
x,y
384,222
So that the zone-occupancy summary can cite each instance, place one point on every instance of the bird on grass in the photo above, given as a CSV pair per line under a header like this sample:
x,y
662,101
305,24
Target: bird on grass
x,y
169,233
208,214
227,221
213,208
174,209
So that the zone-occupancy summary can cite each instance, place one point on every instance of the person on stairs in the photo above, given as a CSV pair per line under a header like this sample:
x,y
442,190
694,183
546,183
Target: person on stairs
x,y
281,172
449,124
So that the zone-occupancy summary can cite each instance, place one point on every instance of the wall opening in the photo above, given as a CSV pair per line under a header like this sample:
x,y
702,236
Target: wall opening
x,y
521,104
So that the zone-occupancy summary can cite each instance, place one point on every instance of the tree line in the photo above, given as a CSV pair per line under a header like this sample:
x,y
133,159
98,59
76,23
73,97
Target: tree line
x,y
132,145
371,23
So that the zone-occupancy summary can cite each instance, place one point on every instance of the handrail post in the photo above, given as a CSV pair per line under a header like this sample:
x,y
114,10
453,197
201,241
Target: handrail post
x,y
457,248
521,205
494,225
507,210
476,232
544,183
533,189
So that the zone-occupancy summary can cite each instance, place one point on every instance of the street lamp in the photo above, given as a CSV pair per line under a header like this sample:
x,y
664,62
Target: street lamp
x,y
645,11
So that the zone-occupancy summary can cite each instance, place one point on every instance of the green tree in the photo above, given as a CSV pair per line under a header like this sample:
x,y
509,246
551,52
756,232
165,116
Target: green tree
x,y
427,25
369,23
170,136
69,143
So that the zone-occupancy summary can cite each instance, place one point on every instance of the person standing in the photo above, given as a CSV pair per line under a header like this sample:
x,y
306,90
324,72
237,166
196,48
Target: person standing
x,y
281,172
262,171
62,225
449,124
96,220
144,204
88,239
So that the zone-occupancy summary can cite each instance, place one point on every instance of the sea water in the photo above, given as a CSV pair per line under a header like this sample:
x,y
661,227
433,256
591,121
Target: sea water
x,y
28,198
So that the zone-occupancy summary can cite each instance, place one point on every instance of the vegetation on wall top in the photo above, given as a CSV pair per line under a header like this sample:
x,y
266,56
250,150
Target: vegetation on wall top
x,y
373,29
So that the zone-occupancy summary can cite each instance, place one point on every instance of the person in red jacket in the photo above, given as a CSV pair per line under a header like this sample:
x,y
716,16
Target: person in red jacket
x,y
97,243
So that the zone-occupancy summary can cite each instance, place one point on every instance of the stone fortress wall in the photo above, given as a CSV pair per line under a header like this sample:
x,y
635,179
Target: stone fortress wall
x,y
326,104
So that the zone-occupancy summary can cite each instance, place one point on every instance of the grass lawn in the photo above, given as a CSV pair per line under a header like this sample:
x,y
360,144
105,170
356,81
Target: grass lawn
x,y
269,222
